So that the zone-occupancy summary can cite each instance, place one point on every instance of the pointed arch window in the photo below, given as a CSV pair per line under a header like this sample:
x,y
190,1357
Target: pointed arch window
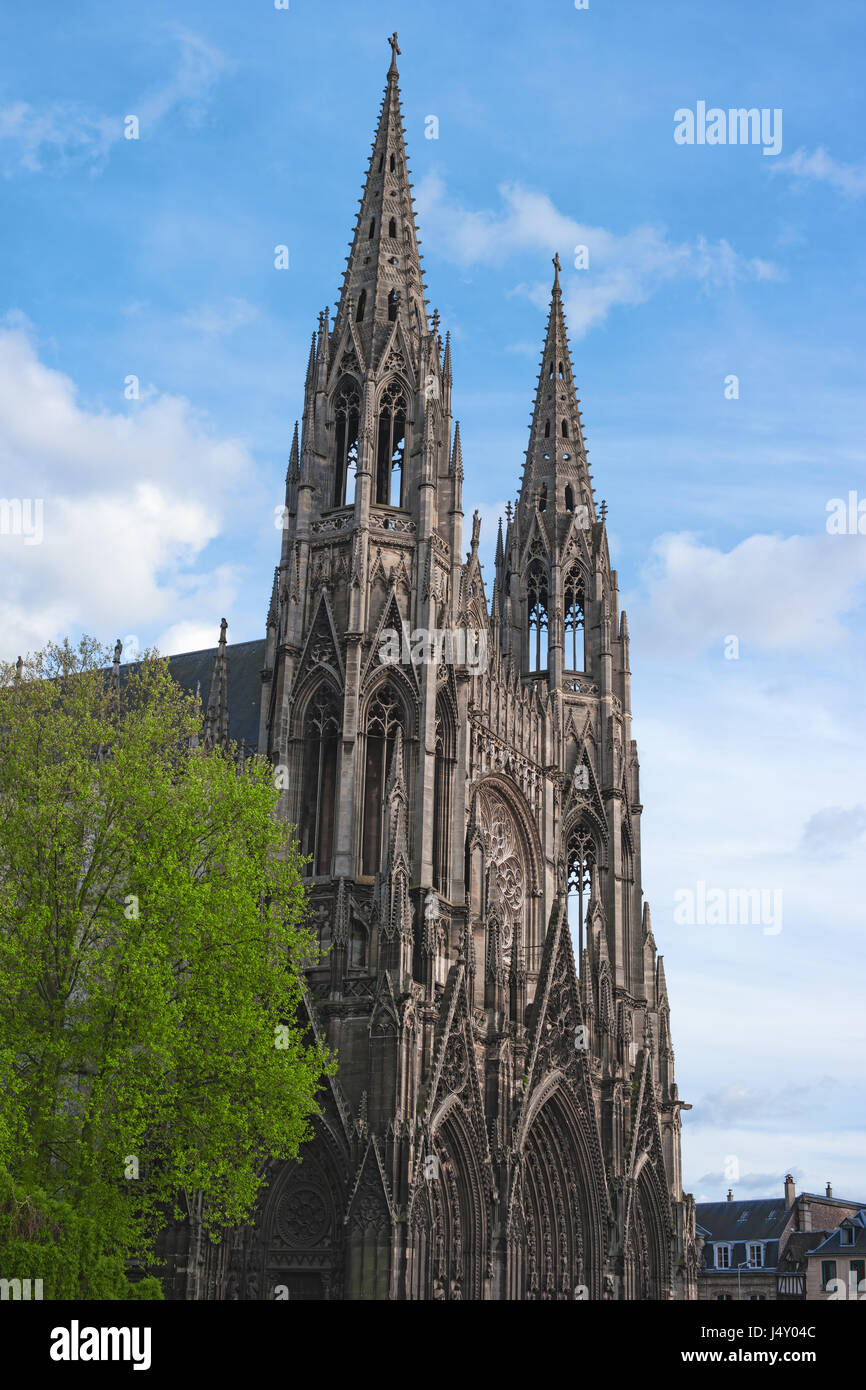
x,y
574,655
392,227
390,445
321,737
392,165
362,304
565,429
392,306
384,716
560,372
536,602
569,497
542,499
372,231
347,408
381,162
627,881
442,801
547,429
582,855
550,373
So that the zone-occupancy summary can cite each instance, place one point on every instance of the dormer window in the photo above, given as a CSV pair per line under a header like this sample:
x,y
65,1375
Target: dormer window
x,y
846,1235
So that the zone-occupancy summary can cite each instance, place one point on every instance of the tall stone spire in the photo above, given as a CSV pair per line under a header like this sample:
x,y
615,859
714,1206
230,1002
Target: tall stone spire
x,y
383,278
556,457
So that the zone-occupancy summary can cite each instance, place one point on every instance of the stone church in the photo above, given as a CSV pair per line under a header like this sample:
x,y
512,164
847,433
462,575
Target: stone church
x,y
504,1123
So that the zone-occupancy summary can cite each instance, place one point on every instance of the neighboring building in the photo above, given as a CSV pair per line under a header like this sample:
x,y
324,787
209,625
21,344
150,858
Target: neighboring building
x,y
505,1123
836,1268
762,1249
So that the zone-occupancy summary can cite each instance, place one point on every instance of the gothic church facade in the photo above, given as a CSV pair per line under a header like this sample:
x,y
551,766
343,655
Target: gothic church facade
x,y
504,1123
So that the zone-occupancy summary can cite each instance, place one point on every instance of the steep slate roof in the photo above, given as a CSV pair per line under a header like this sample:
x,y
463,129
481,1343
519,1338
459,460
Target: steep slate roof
x,y
763,1219
797,1247
833,1244
245,662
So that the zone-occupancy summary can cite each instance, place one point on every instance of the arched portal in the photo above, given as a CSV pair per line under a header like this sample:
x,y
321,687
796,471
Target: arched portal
x,y
647,1261
452,1220
560,1208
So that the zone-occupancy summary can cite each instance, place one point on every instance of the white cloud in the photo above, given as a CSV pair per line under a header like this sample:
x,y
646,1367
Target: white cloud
x,y
52,137
220,320
130,501
763,591
623,270
821,167
835,830
189,636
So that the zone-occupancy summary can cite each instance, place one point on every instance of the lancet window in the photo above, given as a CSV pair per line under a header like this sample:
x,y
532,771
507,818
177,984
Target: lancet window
x,y
582,855
574,656
390,446
384,716
537,608
347,405
321,737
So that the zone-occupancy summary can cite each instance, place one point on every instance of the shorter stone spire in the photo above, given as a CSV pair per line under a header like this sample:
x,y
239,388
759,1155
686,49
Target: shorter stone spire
x,y
457,453
217,718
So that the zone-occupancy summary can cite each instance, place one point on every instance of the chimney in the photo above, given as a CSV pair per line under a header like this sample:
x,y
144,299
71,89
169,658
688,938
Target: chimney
x,y
789,1190
829,1190
730,1195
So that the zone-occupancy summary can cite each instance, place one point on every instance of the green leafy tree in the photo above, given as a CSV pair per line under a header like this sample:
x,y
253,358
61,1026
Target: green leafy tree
x,y
151,949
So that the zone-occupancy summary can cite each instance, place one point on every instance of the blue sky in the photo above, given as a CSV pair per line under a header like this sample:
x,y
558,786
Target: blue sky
x,y
154,258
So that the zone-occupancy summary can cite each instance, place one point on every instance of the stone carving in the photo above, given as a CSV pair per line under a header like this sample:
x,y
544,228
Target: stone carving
x,y
302,1217
448,848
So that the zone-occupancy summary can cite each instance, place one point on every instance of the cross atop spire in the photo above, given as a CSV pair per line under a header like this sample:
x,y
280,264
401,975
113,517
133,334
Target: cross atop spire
x,y
395,52
556,269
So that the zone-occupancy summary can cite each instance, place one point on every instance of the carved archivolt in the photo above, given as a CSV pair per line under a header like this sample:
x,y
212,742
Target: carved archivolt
x,y
504,863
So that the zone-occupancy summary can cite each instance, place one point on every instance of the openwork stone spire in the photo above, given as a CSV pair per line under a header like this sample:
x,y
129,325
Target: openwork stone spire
x,y
383,278
556,457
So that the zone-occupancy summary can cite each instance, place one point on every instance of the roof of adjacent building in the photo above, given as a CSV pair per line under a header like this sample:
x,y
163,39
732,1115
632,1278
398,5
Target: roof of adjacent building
x,y
762,1219
797,1247
833,1243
